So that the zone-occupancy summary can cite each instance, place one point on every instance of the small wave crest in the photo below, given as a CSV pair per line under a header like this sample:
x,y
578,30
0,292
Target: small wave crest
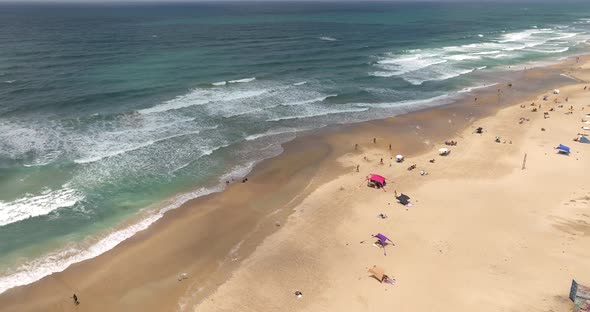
x,y
319,113
275,132
314,100
113,153
439,75
469,89
201,97
326,38
242,80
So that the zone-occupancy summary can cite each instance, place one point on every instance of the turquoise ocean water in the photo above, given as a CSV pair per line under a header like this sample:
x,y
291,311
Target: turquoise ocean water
x,y
111,115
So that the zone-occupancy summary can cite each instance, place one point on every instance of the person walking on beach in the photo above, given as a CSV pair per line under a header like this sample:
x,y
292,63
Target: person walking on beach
x,y
374,140
76,302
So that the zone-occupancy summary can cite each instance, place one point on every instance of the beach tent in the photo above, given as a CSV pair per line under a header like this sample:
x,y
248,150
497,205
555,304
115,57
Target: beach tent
x,y
377,272
403,199
383,241
583,139
555,91
399,158
376,180
563,149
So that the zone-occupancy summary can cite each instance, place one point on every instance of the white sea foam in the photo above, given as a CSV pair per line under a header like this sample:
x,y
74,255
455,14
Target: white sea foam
x,y
417,66
319,113
9,81
300,83
325,38
550,51
201,97
413,104
242,80
107,154
58,261
501,55
438,76
37,205
220,83
112,153
318,99
518,36
570,77
463,57
396,66
487,52
469,89
274,132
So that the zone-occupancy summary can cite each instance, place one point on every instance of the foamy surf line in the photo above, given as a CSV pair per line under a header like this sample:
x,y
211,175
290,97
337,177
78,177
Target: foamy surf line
x,y
59,261
38,205
417,66
469,89
225,82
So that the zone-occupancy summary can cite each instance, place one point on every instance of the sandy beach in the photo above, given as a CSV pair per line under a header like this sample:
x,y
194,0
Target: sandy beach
x,y
483,233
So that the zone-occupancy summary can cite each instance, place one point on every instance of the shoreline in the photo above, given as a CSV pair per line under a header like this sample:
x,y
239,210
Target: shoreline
x,y
331,143
483,233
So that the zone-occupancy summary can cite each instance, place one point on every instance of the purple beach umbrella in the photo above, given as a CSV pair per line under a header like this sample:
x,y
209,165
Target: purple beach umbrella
x,y
383,241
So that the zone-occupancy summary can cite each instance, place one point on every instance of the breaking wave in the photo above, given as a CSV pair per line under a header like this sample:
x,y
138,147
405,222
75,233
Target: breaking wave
x,y
434,64
37,205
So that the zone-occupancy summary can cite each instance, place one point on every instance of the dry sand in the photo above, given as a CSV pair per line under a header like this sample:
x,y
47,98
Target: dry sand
x,y
483,234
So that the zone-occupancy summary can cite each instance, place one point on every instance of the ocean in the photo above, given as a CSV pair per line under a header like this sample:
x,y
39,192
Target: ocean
x,y
111,115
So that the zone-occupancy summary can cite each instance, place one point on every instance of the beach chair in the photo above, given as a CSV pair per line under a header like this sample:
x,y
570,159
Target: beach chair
x,y
562,149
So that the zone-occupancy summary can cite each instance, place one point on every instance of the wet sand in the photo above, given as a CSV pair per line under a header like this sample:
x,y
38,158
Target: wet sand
x,y
217,239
